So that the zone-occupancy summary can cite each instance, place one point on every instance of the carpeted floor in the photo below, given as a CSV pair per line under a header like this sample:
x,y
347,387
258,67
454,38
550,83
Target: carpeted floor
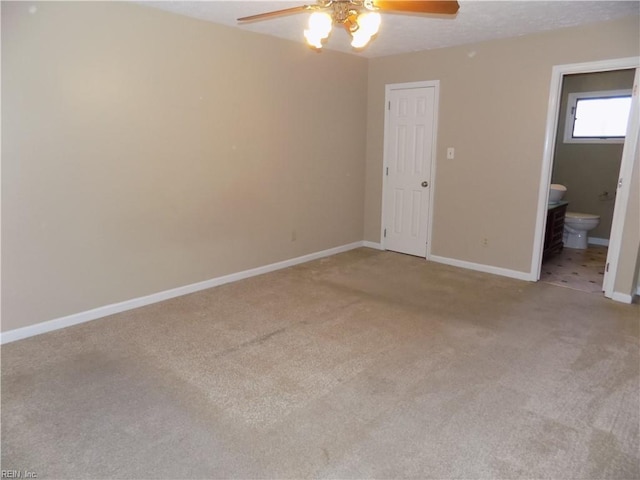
x,y
367,364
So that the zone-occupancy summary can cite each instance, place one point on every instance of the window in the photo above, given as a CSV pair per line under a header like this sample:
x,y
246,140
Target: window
x,y
597,117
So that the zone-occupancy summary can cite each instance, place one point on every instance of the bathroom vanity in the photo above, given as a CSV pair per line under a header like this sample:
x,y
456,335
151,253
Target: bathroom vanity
x,y
555,228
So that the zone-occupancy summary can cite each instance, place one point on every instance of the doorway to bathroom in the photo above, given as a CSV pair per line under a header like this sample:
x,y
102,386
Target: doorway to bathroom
x,y
588,165
597,175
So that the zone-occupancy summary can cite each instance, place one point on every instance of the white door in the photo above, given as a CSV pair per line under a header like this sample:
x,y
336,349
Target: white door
x,y
629,156
409,146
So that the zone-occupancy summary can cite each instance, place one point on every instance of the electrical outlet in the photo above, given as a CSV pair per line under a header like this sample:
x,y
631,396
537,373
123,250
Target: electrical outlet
x,y
484,242
451,153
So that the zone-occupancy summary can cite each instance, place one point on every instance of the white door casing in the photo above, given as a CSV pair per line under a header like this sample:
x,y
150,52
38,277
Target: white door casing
x,y
557,74
409,150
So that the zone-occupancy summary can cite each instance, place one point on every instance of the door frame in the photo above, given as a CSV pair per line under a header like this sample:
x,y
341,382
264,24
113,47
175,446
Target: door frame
x,y
436,100
555,91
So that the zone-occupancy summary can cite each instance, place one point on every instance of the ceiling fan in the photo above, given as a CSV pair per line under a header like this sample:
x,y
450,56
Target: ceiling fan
x,y
361,18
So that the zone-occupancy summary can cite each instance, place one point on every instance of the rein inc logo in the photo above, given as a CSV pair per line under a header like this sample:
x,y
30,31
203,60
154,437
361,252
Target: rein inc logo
x,y
18,474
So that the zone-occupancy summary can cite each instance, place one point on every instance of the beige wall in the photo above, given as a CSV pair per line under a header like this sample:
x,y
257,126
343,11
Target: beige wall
x,y
493,105
588,170
143,151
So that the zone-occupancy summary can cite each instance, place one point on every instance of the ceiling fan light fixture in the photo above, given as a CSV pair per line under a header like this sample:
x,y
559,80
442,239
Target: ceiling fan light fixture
x,y
369,22
360,39
321,22
312,39
320,25
360,18
368,25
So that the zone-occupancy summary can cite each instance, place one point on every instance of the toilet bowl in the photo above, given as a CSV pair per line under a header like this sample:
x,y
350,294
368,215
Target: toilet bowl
x,y
576,226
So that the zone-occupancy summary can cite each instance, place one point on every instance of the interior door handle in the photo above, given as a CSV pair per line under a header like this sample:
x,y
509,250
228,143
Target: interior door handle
x,y
425,184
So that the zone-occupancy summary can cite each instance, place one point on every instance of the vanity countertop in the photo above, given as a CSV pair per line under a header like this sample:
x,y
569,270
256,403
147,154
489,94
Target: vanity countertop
x,y
558,204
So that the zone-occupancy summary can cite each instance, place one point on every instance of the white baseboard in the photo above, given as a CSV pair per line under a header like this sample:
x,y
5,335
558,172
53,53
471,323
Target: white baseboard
x,y
377,246
598,241
483,268
622,297
100,312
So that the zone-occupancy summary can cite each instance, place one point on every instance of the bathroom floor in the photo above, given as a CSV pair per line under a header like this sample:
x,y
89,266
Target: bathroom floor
x,y
577,269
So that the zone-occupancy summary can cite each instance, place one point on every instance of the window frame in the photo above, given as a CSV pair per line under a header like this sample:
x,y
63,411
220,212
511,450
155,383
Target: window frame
x,y
572,102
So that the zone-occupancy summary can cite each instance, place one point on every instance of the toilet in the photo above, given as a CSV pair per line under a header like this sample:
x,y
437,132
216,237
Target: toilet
x,y
576,226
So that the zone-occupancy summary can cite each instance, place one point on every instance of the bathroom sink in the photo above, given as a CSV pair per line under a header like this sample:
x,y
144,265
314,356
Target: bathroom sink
x,y
556,193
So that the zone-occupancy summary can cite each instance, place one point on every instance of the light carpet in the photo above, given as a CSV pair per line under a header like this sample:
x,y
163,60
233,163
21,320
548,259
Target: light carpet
x,y
366,364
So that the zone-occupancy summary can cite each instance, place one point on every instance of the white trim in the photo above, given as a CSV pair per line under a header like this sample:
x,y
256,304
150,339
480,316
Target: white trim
x,y
598,241
553,110
436,103
375,245
482,268
621,297
93,314
434,163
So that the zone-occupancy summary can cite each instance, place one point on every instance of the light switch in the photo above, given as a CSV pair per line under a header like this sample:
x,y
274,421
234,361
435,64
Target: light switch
x,y
451,153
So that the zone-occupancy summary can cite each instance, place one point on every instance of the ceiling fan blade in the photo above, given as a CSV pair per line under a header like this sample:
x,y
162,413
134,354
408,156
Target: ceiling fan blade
x,y
275,13
418,6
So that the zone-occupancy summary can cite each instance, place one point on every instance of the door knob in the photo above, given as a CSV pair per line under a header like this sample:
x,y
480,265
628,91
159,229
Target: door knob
x,y
425,184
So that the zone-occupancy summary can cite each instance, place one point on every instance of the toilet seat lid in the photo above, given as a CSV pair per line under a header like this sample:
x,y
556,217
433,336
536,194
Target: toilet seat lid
x,y
582,216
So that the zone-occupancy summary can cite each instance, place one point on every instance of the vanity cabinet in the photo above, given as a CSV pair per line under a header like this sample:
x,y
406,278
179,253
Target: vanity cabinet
x,y
555,228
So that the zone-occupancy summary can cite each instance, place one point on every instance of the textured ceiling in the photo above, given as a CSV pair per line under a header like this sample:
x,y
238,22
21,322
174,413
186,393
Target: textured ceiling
x,y
476,21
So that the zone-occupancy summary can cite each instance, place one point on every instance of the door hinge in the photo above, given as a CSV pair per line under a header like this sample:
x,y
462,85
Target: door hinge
x,y
387,171
607,269
389,105
620,183
385,233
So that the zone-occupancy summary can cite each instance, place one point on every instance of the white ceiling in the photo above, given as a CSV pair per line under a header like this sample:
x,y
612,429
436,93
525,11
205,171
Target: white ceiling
x,y
476,21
